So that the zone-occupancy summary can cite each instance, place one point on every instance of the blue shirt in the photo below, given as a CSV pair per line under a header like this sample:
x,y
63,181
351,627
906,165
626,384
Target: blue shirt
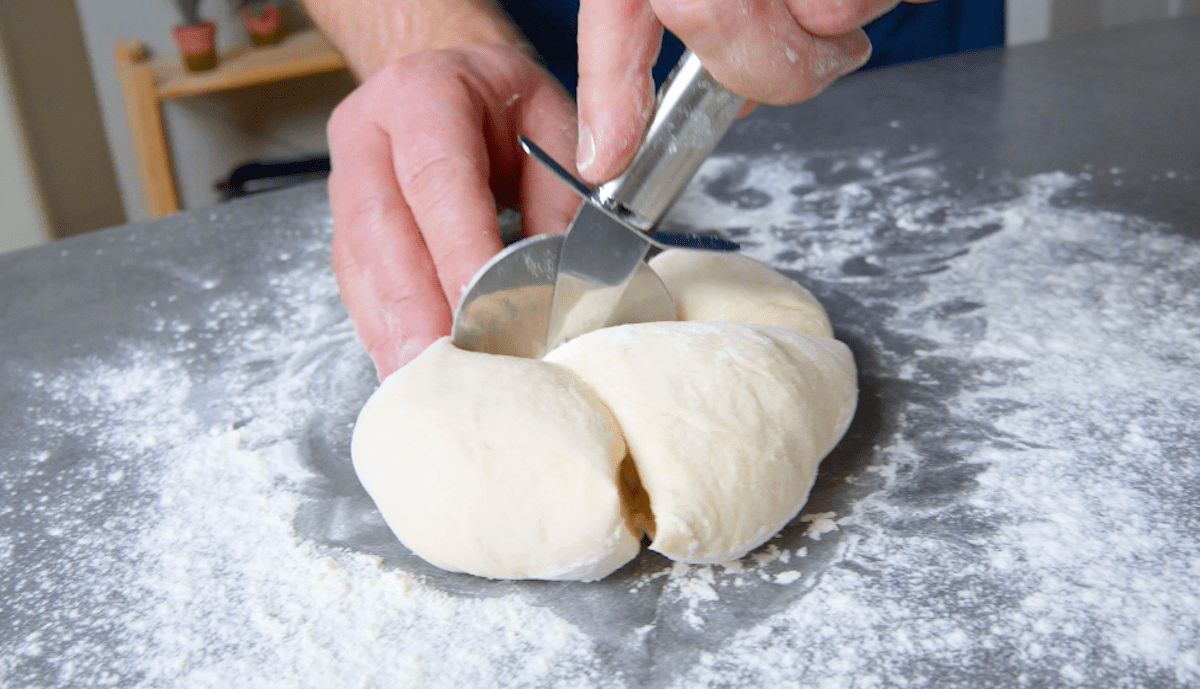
x,y
908,32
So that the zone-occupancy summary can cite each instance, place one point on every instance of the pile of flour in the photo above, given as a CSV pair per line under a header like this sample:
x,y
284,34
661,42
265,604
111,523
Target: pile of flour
x,y
1024,517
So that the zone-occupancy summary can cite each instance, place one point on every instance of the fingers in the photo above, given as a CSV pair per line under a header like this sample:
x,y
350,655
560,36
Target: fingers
x,y
440,156
760,50
619,41
388,281
837,17
546,116
413,211
420,153
773,51
364,309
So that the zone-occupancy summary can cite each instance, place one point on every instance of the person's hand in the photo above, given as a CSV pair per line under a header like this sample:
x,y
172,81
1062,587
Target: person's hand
x,y
770,51
422,154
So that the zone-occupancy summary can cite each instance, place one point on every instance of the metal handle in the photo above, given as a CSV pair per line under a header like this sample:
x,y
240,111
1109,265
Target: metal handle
x,y
694,112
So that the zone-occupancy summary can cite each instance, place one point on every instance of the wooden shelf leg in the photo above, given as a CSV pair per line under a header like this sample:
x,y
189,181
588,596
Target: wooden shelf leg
x,y
145,122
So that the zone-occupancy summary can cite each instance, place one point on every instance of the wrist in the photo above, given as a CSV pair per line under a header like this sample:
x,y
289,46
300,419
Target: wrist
x,y
373,33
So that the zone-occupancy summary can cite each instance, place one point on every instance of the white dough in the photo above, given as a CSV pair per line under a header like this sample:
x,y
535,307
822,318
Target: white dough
x,y
725,422
497,466
723,286
704,433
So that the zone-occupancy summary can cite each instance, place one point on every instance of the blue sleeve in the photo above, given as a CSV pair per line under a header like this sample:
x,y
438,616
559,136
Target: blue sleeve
x,y
551,25
912,32
908,32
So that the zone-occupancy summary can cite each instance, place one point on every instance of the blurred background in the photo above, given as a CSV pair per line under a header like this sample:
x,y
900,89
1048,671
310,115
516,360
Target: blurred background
x,y
68,158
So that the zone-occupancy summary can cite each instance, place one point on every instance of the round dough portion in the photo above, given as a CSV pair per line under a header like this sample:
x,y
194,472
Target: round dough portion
x,y
725,286
725,423
496,466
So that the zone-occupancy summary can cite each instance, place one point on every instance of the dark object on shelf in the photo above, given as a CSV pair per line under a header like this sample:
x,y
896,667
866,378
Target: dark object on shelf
x,y
257,177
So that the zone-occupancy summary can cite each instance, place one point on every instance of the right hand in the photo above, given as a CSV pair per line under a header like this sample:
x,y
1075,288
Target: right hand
x,y
423,153
770,51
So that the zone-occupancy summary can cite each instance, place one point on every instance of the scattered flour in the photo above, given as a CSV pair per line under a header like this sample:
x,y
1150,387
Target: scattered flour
x,y
1074,557
821,523
1026,519
787,576
202,581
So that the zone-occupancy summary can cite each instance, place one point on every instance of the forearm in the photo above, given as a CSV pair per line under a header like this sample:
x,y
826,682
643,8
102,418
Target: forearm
x,y
371,33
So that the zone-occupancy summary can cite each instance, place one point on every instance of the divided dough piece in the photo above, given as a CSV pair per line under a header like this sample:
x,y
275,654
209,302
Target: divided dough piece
x,y
725,422
516,468
722,286
496,466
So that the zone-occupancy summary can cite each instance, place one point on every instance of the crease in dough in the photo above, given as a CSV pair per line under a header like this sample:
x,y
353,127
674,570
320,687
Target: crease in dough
x,y
725,422
704,434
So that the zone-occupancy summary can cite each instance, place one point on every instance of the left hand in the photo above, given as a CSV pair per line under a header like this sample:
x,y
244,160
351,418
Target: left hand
x,y
423,153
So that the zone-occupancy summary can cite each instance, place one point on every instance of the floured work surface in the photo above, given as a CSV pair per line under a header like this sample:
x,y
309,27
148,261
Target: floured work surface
x,y
1014,504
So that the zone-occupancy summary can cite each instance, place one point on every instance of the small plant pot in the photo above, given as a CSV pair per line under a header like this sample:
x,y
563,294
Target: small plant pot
x,y
198,46
266,28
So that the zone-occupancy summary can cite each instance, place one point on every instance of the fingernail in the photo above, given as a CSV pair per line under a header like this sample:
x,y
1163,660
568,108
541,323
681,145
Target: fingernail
x,y
585,155
859,52
839,56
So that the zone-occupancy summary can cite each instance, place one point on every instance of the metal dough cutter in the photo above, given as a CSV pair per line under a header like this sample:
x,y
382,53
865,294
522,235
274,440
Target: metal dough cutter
x,y
544,290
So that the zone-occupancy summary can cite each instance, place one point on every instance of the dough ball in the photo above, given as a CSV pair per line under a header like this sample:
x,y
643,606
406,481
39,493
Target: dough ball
x,y
725,423
723,286
497,466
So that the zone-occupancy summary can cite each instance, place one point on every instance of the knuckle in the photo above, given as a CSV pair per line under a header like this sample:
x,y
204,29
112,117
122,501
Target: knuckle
x,y
454,255
403,296
399,73
343,118
364,212
395,86
837,17
433,179
431,173
684,16
415,69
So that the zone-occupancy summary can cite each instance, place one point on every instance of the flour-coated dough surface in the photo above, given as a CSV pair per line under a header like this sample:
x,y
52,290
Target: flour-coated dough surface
x,y
704,433
723,286
726,423
496,466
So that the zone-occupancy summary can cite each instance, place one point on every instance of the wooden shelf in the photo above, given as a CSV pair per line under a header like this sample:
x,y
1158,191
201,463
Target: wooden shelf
x,y
298,55
147,82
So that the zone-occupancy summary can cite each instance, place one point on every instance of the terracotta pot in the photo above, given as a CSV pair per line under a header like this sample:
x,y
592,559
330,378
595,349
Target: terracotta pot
x,y
265,29
198,45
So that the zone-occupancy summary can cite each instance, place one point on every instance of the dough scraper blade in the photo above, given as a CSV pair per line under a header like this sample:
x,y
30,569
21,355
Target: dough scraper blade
x,y
506,308
524,302
609,236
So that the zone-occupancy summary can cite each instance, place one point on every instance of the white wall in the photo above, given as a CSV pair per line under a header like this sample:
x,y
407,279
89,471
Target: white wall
x,y
1026,21
208,135
1036,20
23,220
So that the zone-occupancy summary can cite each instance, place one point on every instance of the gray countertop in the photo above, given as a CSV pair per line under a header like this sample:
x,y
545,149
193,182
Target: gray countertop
x,y
1008,240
